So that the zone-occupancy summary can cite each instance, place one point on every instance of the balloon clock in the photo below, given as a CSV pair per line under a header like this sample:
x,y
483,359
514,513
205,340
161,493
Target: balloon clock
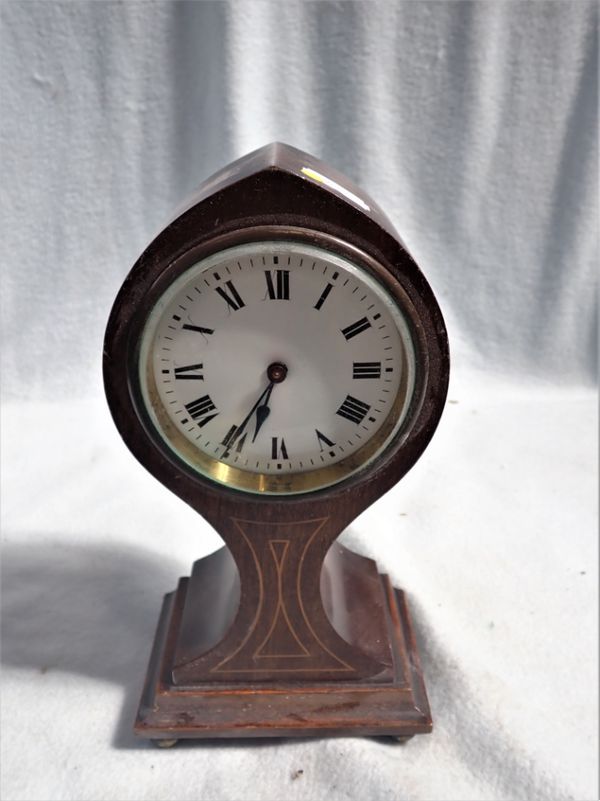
x,y
277,360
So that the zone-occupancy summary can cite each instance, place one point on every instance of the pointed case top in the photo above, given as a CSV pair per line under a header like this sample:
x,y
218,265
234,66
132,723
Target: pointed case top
x,y
278,156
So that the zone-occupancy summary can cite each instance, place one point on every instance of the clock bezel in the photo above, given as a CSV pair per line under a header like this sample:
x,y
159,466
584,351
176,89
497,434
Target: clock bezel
x,y
273,484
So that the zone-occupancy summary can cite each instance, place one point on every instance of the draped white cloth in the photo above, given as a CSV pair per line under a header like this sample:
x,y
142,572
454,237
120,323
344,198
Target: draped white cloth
x,y
474,125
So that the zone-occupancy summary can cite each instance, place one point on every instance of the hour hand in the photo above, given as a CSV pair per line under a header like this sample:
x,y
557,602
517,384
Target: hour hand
x,y
262,412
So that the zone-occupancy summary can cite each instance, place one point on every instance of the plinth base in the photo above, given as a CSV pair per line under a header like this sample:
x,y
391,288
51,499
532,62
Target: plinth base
x,y
366,707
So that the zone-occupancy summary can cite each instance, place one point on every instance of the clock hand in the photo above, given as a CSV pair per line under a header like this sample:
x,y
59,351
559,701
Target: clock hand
x,y
276,373
262,412
240,429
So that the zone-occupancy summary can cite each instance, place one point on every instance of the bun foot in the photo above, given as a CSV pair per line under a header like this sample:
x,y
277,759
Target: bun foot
x,y
164,743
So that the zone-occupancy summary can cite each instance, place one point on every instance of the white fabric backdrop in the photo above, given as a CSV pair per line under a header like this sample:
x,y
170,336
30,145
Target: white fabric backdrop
x,y
474,125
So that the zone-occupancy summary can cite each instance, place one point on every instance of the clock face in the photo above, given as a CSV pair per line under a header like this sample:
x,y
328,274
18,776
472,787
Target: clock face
x,y
276,367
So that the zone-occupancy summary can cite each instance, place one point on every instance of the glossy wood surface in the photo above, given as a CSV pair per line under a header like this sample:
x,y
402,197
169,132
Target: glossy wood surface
x,y
394,703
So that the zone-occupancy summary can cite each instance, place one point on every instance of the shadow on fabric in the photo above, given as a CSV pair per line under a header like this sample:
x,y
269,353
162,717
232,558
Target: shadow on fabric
x,y
90,610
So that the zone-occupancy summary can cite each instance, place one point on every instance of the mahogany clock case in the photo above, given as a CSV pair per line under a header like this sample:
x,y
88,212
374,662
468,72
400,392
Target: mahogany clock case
x,y
264,195
280,633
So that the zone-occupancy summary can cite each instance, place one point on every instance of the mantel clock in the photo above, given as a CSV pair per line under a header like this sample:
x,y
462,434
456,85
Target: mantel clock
x,y
276,359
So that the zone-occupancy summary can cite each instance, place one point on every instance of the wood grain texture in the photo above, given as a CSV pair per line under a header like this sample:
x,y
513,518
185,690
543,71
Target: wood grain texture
x,y
396,705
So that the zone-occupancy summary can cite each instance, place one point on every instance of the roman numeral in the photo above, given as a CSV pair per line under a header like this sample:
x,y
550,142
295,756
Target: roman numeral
x,y
323,297
232,298
280,288
277,448
229,436
200,329
353,409
356,328
228,441
366,370
189,372
201,407
324,442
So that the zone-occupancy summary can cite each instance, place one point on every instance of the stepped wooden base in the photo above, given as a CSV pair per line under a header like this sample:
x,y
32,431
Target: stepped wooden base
x,y
397,706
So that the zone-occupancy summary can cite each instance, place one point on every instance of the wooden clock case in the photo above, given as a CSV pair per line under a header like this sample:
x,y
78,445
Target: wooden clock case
x,y
283,631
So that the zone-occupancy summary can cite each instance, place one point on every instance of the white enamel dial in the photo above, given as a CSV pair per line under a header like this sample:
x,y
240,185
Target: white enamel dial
x,y
276,367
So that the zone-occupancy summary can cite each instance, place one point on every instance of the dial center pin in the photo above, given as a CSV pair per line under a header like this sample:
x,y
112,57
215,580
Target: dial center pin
x,y
277,372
